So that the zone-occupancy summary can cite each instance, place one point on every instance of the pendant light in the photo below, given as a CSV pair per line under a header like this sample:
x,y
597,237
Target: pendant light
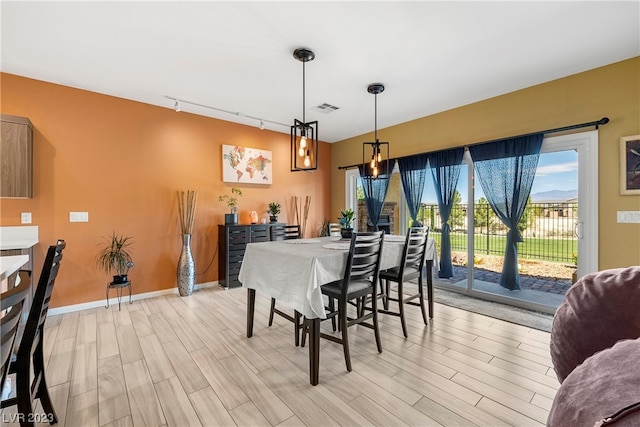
x,y
304,136
378,166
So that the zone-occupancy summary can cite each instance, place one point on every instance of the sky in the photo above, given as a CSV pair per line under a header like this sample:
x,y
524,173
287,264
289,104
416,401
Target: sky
x,y
556,171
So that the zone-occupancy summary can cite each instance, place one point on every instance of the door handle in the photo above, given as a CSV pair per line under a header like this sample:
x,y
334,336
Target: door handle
x,y
577,229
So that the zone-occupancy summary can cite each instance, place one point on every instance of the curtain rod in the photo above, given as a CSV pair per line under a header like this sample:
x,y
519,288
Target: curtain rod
x,y
597,123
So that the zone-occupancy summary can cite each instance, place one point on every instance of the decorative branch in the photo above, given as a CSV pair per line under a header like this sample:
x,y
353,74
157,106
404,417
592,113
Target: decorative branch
x,y
186,210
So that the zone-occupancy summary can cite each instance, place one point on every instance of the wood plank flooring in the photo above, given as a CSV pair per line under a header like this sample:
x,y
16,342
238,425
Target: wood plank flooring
x,y
186,361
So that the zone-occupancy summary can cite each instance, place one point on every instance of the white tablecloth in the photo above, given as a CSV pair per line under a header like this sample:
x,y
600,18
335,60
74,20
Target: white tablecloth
x,y
293,273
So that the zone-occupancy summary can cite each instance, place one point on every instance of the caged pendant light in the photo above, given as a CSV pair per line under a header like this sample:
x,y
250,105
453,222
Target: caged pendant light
x,y
378,165
304,136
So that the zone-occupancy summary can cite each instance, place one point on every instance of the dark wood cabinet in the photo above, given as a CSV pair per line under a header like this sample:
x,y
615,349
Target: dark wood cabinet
x,y
16,157
232,242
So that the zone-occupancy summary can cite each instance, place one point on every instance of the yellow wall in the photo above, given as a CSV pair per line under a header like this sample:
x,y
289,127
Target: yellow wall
x,y
123,162
612,91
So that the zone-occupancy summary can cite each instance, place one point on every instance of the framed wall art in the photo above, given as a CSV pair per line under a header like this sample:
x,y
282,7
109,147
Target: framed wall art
x,y
246,165
630,165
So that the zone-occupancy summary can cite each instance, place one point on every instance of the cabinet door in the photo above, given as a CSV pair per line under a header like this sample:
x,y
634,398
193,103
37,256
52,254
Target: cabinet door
x,y
16,157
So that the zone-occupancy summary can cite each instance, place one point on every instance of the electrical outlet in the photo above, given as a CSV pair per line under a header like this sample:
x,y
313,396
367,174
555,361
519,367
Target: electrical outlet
x,y
78,216
25,217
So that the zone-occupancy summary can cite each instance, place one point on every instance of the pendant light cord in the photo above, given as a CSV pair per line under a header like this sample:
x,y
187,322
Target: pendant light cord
x,y
376,117
304,120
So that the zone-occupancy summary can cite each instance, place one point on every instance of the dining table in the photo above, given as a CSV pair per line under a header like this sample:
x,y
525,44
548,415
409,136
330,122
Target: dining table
x,y
293,271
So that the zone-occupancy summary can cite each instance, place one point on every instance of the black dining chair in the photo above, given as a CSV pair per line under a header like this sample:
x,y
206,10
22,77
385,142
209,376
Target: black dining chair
x,y
410,268
30,349
292,232
359,283
286,232
276,232
12,303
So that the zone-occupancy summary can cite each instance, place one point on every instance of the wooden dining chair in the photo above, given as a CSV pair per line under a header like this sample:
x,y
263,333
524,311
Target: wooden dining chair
x,y
277,232
410,268
12,303
286,232
292,232
359,283
30,350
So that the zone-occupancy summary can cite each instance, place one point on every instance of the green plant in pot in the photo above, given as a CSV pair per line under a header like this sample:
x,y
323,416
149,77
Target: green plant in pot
x,y
346,219
274,210
231,200
115,257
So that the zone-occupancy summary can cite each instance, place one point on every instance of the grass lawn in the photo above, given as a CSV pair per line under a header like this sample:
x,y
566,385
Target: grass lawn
x,y
558,250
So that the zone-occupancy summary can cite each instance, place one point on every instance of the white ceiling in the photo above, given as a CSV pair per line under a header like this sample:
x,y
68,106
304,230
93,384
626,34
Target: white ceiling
x,y
237,56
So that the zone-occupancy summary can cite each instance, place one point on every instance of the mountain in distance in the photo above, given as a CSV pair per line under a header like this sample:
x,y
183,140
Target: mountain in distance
x,y
554,196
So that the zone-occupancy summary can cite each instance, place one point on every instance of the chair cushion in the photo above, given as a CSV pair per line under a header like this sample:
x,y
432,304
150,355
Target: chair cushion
x,y
598,310
605,383
393,273
334,289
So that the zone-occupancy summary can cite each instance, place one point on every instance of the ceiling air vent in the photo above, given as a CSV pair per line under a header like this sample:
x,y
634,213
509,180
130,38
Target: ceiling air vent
x,y
326,108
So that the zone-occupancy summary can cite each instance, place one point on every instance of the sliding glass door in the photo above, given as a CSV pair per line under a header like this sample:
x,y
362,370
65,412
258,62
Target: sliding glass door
x,y
559,226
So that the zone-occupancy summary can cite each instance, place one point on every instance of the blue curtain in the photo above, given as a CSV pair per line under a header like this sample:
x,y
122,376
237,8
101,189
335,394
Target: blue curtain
x,y
375,190
413,172
506,170
445,169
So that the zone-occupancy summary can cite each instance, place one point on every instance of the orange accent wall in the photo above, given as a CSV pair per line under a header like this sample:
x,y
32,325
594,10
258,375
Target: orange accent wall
x,y
123,162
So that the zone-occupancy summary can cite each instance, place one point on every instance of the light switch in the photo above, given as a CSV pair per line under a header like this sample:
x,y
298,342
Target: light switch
x,y
25,217
78,216
628,217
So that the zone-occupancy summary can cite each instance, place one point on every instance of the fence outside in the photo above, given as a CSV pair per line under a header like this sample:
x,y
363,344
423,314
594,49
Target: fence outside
x,y
547,229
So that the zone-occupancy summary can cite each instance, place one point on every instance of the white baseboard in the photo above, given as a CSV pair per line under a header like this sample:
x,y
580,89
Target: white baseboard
x,y
124,299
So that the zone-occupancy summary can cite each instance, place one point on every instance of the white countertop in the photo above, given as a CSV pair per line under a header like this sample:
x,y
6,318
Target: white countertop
x,y
11,264
18,237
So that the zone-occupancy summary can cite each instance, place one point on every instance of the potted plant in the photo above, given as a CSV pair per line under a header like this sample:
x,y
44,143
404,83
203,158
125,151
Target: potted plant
x,y
345,219
274,210
115,257
232,203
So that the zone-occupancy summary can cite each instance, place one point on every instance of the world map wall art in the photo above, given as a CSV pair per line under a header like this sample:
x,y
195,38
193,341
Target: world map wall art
x,y
246,165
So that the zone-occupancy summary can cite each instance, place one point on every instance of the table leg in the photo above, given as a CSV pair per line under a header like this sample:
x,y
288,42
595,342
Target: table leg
x,y
296,327
430,286
251,305
314,350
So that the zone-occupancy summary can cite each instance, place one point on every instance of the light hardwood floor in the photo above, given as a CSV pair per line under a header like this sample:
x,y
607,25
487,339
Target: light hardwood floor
x,y
186,361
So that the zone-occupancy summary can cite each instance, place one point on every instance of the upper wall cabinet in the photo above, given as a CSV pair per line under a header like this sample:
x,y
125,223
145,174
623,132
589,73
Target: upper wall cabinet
x,y
16,157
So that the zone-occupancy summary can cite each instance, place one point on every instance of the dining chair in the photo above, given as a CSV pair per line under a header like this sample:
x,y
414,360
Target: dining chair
x,y
334,229
12,303
410,268
30,350
292,232
286,232
359,282
277,232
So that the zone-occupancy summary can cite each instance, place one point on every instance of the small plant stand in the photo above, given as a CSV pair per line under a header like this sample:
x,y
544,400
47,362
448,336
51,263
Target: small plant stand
x,y
119,289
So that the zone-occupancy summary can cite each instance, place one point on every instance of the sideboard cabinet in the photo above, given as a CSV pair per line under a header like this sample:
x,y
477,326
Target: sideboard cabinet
x,y
16,156
232,242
